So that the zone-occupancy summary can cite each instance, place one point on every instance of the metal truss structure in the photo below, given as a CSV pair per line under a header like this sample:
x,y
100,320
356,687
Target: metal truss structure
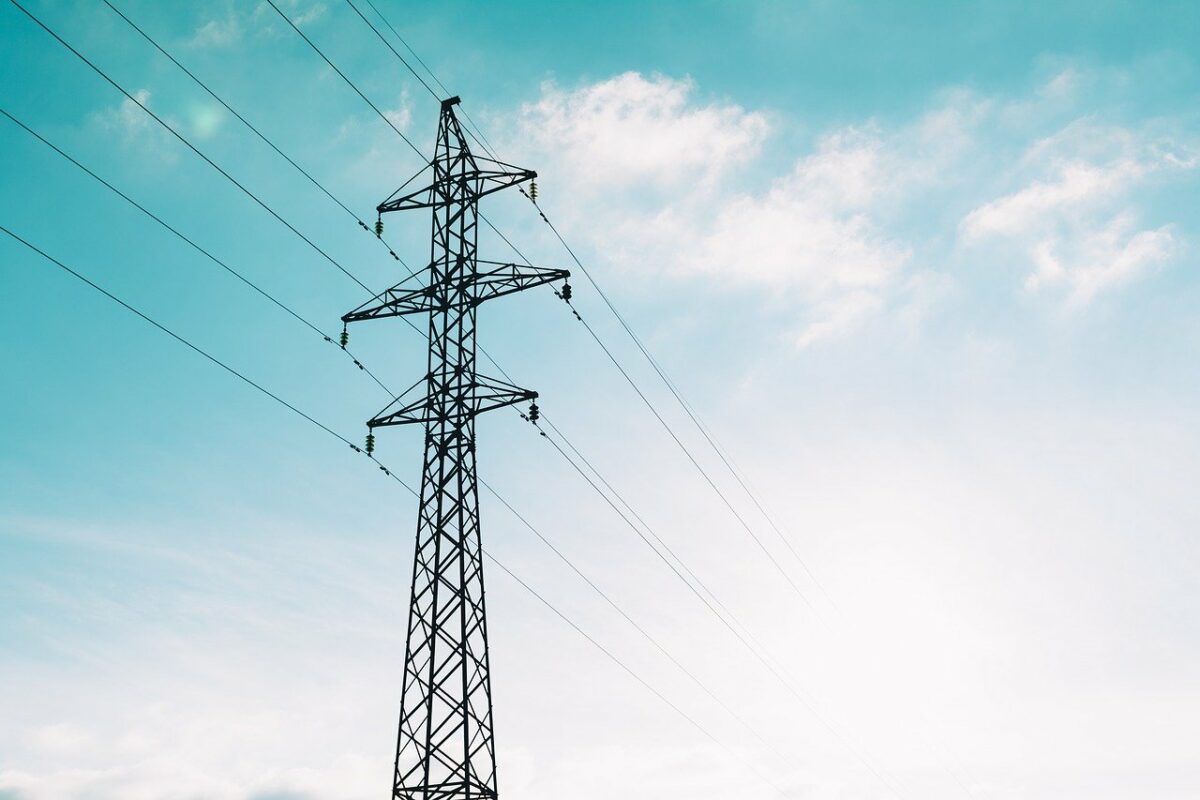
x,y
445,748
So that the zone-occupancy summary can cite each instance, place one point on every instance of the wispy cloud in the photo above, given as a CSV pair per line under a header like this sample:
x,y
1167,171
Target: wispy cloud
x,y
815,238
632,129
667,183
309,15
134,128
217,33
1076,218
401,114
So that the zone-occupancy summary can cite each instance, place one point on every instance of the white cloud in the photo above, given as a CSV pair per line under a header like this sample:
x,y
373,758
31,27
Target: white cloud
x,y
631,129
217,33
1099,259
135,128
266,22
809,236
401,115
310,15
128,118
666,184
811,230
61,737
1076,218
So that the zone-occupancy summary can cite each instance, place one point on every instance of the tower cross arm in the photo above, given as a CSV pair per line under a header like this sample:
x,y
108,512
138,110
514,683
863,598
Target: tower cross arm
x,y
394,302
496,279
492,393
486,394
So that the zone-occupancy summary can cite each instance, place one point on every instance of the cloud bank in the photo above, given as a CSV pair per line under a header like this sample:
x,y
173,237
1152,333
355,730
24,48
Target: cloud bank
x,y
667,184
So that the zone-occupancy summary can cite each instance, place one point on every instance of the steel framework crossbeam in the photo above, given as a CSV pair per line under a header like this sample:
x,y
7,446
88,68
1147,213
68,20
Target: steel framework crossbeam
x,y
501,279
445,748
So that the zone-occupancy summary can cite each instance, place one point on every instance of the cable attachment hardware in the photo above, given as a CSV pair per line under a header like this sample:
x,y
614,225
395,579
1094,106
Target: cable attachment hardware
x,y
345,337
379,226
370,443
533,191
534,413
566,292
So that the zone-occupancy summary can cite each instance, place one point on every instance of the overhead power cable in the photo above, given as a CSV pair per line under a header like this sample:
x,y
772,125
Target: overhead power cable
x,y
482,141
311,326
388,45
252,128
521,255
347,80
184,140
854,750
230,109
633,623
188,144
185,342
722,452
262,136
787,577
192,243
288,309
331,432
670,431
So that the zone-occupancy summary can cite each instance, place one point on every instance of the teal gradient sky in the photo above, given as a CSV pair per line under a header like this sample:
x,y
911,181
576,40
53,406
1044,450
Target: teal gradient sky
x,y
928,270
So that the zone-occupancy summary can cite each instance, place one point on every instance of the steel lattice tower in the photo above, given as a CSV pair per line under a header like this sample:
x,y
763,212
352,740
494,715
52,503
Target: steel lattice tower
x,y
445,749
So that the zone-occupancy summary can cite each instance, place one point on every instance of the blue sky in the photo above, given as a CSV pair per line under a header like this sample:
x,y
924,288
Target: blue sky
x,y
929,271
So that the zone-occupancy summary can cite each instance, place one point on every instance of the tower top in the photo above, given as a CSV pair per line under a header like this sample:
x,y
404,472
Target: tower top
x,y
450,102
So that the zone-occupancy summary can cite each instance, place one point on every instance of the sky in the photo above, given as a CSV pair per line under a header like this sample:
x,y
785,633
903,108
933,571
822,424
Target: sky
x,y
928,272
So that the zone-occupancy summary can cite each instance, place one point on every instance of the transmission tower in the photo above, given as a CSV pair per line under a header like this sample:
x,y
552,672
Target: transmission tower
x,y
445,749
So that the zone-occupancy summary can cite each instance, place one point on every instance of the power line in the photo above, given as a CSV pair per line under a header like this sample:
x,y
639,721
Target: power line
x,y
625,615
175,336
545,420
722,453
189,145
292,162
257,288
313,421
278,303
658,540
703,472
687,452
388,45
628,669
727,461
208,160
240,186
361,366
241,118
685,405
191,243
222,171
480,138
231,110
343,76
854,750
783,572
307,323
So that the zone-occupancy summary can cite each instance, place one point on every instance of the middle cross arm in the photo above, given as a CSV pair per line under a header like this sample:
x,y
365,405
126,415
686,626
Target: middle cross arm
x,y
494,279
